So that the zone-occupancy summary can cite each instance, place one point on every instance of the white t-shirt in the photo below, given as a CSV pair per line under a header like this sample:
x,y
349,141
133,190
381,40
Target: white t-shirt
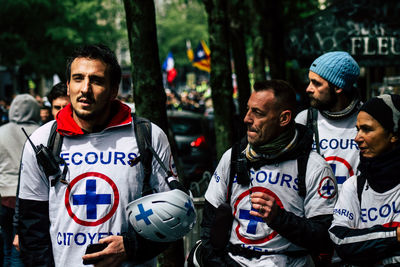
x,y
281,182
337,145
381,209
101,184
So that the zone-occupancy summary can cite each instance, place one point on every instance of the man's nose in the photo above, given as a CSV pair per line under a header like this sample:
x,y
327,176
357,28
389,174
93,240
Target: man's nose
x,y
247,118
309,88
85,86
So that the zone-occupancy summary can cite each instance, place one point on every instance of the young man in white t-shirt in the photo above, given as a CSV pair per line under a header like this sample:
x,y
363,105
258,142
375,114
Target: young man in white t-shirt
x,y
57,221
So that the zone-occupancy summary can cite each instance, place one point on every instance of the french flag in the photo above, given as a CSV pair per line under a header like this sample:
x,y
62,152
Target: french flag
x,y
168,66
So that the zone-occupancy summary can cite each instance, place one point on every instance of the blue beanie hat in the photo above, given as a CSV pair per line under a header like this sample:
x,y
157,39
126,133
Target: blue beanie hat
x,y
338,68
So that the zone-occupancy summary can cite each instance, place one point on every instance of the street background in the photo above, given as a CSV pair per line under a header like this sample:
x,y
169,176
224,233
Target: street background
x,y
198,58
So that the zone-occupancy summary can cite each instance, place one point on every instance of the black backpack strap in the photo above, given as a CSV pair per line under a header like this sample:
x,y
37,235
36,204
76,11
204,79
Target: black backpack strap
x,y
52,136
239,166
302,161
232,172
142,127
55,140
312,123
361,180
54,144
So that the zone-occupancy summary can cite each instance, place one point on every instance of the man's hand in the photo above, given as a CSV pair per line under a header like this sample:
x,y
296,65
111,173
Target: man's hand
x,y
264,206
398,233
113,255
16,242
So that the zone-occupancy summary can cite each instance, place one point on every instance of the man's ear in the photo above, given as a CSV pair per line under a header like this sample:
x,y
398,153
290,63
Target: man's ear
x,y
67,88
338,90
394,139
285,118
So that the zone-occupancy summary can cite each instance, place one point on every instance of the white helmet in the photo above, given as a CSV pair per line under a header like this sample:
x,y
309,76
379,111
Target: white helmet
x,y
162,217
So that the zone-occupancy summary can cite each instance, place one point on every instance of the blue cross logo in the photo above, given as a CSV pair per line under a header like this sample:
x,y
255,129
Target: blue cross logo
x,y
91,199
190,208
144,214
252,226
327,187
339,179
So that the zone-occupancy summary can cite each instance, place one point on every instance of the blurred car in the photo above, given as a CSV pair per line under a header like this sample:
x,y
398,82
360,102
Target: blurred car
x,y
195,141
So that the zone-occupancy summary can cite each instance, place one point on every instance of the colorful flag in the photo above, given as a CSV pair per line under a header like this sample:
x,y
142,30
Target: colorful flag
x,y
168,67
189,50
201,57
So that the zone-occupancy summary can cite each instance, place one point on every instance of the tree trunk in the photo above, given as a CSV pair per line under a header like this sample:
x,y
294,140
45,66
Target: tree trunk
x,y
275,45
257,12
148,92
237,10
221,74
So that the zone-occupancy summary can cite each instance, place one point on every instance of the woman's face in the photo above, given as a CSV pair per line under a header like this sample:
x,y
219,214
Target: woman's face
x,y
372,139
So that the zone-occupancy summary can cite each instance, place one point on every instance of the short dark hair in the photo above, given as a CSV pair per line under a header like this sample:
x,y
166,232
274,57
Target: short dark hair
x,y
45,107
58,90
101,52
284,93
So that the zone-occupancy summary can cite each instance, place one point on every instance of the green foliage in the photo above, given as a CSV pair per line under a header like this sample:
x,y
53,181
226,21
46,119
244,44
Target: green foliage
x,y
181,20
295,10
178,21
37,35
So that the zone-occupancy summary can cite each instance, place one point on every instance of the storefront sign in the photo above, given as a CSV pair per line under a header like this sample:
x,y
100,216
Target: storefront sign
x,y
369,30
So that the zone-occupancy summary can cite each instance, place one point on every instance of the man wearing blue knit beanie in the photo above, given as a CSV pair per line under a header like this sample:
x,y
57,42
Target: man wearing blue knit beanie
x,y
333,113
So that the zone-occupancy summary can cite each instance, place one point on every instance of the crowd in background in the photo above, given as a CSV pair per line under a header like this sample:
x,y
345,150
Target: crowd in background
x,y
189,99
45,109
196,99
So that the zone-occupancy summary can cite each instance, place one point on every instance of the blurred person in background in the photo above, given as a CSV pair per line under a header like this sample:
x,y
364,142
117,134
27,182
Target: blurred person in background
x,y
45,114
172,101
366,218
39,99
58,98
24,112
4,108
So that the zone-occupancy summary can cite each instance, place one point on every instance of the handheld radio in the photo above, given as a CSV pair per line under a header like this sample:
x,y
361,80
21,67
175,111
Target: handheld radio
x,y
45,158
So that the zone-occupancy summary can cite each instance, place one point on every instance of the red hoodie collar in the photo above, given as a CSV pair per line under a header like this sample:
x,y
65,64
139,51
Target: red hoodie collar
x,y
67,126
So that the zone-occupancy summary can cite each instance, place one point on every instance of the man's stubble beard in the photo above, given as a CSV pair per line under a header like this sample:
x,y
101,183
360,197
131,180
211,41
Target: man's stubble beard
x,y
89,116
327,104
